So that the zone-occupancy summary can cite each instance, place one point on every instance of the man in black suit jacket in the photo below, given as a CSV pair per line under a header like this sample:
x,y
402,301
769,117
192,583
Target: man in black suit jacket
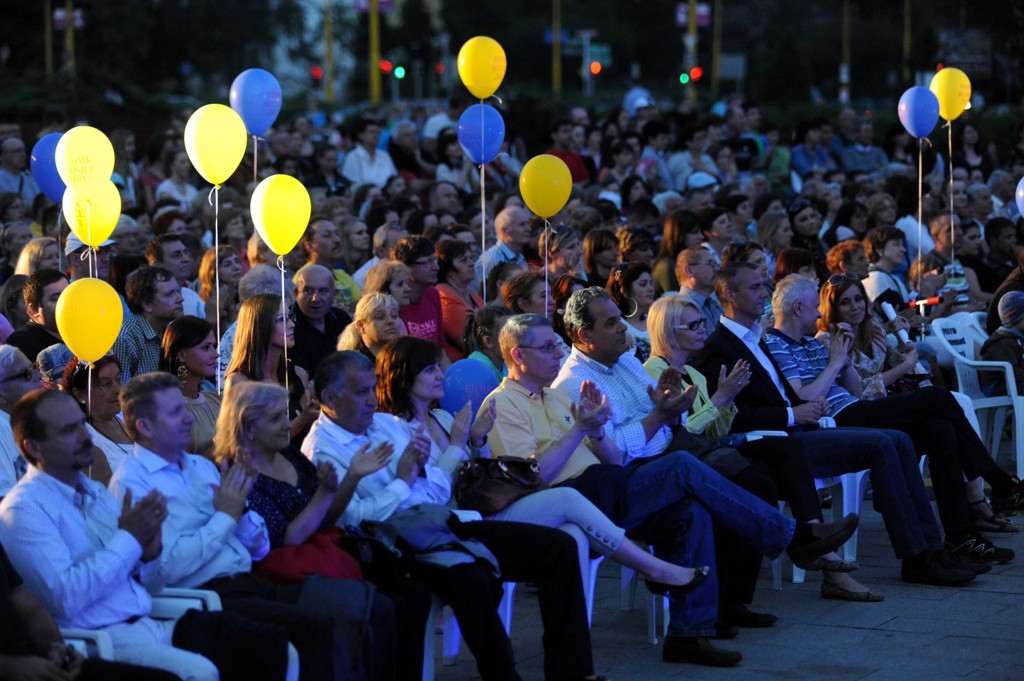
x,y
768,402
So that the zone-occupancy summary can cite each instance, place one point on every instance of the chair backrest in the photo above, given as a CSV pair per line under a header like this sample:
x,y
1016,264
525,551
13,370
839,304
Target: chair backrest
x,y
955,335
979,320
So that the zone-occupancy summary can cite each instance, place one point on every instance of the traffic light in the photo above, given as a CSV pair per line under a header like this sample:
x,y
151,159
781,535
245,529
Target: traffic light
x,y
316,73
386,67
684,78
399,72
595,68
696,73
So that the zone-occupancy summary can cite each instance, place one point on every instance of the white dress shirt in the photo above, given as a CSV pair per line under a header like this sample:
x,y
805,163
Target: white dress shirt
x,y
359,168
70,552
10,457
379,494
200,543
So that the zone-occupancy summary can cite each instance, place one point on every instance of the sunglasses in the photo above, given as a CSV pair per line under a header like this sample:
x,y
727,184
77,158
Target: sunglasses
x,y
693,326
837,279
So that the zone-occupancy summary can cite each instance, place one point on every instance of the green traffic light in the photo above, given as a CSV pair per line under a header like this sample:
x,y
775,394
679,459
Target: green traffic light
x,y
399,72
684,78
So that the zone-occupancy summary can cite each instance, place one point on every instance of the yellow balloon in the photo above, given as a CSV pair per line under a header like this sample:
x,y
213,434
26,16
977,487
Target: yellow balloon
x,y
953,89
280,210
215,140
85,158
92,217
545,184
482,65
89,318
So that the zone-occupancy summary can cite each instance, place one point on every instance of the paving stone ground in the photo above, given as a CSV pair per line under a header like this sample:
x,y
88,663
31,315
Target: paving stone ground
x,y
917,633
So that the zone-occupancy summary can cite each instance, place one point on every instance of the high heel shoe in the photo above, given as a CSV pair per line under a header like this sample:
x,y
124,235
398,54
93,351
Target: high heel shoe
x,y
676,590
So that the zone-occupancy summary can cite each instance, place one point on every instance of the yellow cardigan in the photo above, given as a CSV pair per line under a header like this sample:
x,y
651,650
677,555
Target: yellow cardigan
x,y
703,417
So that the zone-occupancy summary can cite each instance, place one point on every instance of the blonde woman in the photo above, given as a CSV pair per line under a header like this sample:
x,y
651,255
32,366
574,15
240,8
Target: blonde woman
x,y
38,254
374,325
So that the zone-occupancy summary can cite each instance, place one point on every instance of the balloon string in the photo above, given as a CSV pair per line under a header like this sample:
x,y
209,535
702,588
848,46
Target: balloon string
x,y
483,224
547,249
952,231
216,270
920,193
255,156
88,238
284,322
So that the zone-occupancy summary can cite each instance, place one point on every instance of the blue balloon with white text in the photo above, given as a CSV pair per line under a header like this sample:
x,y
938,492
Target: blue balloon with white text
x,y
467,380
481,132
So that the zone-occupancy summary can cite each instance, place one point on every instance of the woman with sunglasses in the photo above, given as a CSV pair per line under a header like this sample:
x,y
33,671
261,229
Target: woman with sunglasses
x,y
677,334
264,333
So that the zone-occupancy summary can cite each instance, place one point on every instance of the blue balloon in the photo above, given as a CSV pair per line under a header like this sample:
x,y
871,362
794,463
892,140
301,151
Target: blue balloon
x,y
1020,196
467,380
481,132
256,97
918,111
44,167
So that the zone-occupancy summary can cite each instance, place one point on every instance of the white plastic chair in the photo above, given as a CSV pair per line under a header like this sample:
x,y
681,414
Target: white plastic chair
x,y
992,411
169,604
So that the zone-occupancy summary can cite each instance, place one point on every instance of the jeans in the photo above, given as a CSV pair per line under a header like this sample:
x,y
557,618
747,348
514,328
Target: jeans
x,y
669,501
899,492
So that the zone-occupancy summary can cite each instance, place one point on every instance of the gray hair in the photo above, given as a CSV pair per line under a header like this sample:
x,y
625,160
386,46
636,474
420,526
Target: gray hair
x,y
788,290
972,190
518,329
577,310
259,279
330,373
998,175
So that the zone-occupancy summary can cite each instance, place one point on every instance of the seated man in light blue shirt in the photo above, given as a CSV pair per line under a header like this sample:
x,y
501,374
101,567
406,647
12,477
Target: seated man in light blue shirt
x,y
82,555
210,539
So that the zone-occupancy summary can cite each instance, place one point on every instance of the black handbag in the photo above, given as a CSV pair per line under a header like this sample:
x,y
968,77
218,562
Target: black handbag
x,y
383,556
490,485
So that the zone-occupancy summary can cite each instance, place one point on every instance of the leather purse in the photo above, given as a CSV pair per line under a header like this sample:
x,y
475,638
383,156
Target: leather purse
x,y
490,485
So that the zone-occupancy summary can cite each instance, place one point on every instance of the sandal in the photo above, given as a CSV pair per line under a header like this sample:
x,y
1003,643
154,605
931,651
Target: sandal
x,y
985,520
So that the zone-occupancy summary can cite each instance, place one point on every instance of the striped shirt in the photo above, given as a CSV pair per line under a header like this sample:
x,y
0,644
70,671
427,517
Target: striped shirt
x,y
804,360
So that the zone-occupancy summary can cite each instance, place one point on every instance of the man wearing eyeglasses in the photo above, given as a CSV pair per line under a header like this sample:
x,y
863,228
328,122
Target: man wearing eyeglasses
x,y
18,377
598,447
695,269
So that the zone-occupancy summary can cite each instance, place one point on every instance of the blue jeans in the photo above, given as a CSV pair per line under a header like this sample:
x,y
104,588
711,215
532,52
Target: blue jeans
x,y
899,492
669,501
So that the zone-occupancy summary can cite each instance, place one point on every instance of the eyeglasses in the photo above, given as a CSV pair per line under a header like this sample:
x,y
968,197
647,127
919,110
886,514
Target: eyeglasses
x,y
547,348
798,205
837,279
692,326
25,375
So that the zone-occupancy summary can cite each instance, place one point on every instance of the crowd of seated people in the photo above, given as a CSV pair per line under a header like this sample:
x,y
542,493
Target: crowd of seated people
x,y
258,423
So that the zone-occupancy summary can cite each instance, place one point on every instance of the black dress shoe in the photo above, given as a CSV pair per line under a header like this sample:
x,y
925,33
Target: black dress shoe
x,y
742,616
698,650
811,540
935,568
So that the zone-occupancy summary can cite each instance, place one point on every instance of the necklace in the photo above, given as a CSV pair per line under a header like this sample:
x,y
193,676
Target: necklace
x,y
124,447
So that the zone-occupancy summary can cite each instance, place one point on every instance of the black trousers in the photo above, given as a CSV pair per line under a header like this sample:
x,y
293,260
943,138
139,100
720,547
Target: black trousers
x,y
936,424
242,648
264,601
778,470
525,553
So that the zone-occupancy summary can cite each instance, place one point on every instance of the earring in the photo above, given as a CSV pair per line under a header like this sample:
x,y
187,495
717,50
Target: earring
x,y
636,307
182,372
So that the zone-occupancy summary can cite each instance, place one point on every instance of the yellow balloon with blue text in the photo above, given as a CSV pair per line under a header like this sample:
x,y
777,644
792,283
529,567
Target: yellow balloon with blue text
x,y
952,87
93,217
545,184
280,209
215,141
482,65
84,158
89,316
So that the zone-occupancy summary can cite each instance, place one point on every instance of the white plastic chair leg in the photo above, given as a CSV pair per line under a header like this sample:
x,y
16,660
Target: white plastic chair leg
x,y
292,673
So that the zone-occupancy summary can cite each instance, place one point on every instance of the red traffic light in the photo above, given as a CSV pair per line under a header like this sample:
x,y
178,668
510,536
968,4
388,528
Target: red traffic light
x,y
317,72
595,67
439,68
696,73
386,67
